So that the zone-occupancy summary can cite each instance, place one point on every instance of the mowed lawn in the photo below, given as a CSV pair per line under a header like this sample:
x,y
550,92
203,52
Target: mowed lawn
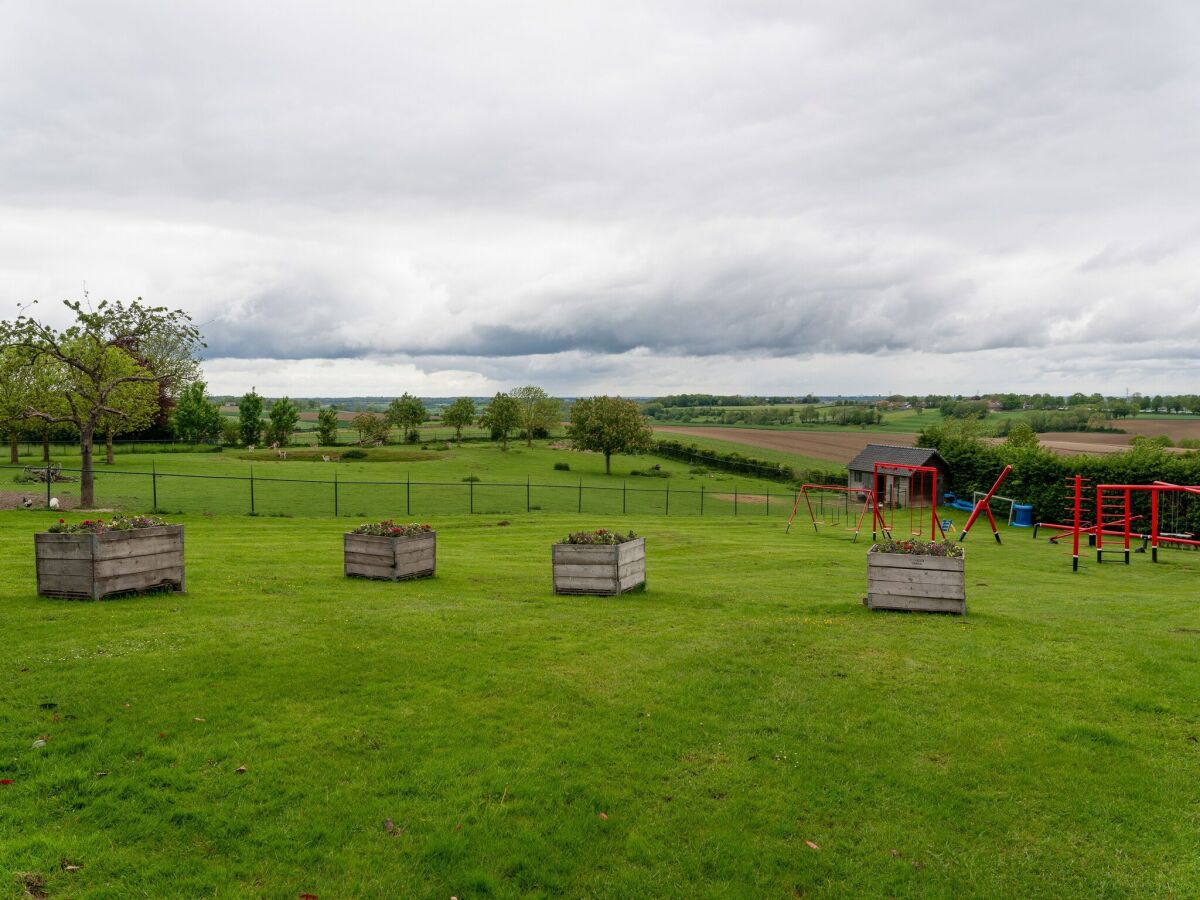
x,y
744,728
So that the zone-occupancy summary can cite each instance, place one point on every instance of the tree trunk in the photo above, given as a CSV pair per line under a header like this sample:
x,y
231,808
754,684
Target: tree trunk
x,y
607,462
87,483
46,446
14,450
108,447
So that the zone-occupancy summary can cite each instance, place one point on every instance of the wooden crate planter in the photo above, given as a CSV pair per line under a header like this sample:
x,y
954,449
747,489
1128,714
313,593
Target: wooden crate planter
x,y
912,582
390,557
602,569
91,566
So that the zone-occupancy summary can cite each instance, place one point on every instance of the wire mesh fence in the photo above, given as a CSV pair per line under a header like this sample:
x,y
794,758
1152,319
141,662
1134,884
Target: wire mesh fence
x,y
274,496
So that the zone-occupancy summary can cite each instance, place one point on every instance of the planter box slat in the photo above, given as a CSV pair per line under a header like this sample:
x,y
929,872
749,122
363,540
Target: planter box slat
x,y
146,562
93,566
390,558
917,583
604,570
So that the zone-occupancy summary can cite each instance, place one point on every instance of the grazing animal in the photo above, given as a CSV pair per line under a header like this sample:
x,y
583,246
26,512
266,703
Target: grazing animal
x,y
324,457
250,447
54,503
27,503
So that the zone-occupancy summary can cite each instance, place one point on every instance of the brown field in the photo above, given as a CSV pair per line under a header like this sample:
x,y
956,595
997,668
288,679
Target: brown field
x,y
842,446
835,446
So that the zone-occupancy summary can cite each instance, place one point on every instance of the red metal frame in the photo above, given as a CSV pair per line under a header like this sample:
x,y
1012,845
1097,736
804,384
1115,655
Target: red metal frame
x,y
878,523
868,502
982,506
1114,505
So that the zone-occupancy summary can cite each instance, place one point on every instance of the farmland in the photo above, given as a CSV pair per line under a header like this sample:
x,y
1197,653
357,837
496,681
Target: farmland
x,y
745,724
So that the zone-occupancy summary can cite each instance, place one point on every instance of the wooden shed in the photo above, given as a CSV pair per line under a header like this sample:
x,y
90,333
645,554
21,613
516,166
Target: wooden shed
x,y
896,488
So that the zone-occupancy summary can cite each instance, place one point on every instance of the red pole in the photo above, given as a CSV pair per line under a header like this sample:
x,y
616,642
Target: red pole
x,y
983,504
1099,524
1154,524
1078,503
1128,524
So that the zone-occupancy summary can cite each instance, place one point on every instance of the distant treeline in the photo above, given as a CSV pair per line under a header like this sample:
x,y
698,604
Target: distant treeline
x,y
693,400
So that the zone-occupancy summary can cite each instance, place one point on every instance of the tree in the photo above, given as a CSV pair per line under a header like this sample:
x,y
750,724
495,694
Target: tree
x,y
327,426
196,418
230,432
1021,435
281,421
609,425
139,404
94,355
459,414
370,427
250,423
539,411
502,416
406,412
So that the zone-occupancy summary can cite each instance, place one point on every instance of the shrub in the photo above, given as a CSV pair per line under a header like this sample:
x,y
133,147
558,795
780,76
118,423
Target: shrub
x,y
600,536
471,478
99,526
918,547
354,453
562,467
388,528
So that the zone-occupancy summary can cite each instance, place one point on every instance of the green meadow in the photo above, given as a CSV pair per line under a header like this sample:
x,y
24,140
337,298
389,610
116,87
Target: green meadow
x,y
743,728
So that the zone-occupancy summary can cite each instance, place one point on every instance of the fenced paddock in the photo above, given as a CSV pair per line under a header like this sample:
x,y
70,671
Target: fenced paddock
x,y
152,489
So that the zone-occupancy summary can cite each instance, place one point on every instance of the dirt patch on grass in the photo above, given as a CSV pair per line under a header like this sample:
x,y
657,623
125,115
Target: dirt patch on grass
x,y
835,446
15,499
752,499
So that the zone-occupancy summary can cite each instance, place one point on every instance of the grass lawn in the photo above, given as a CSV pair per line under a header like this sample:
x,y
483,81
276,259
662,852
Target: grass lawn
x,y
379,485
744,728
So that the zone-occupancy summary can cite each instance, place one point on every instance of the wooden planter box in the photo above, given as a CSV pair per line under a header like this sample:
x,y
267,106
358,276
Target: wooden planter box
x,y
92,566
605,570
920,583
391,558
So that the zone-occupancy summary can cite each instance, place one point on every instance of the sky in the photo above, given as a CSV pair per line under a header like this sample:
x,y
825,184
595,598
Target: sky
x,y
635,198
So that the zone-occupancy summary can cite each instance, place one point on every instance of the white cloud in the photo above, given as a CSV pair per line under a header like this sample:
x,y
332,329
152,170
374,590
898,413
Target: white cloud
x,y
619,196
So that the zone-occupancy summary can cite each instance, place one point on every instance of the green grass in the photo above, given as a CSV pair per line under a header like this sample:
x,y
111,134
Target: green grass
x,y
303,486
744,705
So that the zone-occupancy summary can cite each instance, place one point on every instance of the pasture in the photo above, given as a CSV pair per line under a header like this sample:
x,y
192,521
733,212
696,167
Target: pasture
x,y
744,728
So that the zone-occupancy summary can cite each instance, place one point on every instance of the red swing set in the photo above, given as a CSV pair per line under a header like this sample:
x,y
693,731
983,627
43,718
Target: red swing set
x,y
918,477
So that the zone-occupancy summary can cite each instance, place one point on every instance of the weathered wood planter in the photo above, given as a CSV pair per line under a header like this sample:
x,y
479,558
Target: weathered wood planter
x,y
92,566
603,569
919,583
392,558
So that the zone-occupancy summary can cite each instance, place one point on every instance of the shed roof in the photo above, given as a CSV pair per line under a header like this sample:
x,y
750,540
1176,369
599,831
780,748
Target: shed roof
x,y
886,453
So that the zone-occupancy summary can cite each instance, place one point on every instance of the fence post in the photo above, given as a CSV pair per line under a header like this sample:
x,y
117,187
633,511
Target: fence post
x,y
623,497
701,499
50,481
335,494
580,508
668,505
768,501
252,490
471,485
526,493
408,494
735,499
153,486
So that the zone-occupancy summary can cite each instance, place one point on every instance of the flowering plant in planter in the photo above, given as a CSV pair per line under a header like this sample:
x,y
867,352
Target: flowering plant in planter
x,y
601,536
99,526
388,528
918,547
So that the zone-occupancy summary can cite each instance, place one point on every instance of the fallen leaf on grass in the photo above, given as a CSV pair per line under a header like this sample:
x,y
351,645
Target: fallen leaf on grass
x,y
67,866
101,774
241,770
197,719
308,897
6,781
895,854
917,864
603,816
390,827
40,742
812,845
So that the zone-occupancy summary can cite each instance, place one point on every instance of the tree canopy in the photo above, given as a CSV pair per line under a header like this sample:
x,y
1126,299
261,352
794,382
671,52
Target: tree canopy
x,y
609,425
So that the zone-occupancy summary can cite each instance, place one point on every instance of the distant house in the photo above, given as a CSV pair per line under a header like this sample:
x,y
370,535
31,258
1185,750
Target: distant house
x,y
896,487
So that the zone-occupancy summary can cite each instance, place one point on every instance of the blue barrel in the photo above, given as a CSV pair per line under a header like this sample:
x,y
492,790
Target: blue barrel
x,y
1022,515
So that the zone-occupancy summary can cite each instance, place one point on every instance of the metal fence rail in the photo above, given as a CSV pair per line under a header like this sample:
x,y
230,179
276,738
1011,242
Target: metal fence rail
x,y
273,496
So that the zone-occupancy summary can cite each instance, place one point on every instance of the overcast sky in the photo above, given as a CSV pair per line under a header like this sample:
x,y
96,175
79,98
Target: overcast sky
x,y
362,198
